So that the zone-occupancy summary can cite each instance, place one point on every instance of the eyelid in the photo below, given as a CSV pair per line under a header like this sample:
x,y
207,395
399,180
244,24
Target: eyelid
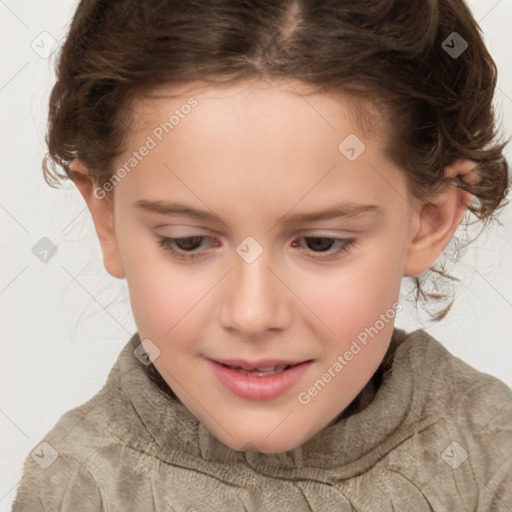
x,y
190,231
188,256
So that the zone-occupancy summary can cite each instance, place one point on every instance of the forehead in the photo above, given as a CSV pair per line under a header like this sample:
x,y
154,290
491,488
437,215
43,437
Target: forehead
x,y
268,101
255,144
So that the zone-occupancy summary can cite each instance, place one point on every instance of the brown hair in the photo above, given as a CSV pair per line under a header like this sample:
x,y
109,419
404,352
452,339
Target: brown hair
x,y
389,52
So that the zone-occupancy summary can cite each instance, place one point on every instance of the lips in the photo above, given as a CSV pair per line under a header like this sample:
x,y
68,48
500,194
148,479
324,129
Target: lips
x,y
261,372
259,380
261,365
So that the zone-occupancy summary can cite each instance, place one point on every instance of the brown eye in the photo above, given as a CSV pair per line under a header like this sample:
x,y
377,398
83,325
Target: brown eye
x,y
323,244
182,248
320,244
188,244
189,248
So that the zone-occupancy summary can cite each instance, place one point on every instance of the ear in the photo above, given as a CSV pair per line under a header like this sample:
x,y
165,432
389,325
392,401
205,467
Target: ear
x,y
102,211
439,218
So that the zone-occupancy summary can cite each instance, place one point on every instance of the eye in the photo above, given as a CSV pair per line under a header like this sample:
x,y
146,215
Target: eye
x,y
322,244
183,248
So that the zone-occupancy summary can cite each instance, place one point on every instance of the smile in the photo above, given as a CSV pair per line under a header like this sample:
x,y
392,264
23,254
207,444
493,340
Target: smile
x,y
260,382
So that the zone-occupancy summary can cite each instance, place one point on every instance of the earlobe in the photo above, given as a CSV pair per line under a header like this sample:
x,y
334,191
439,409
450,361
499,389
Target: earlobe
x,y
101,208
438,220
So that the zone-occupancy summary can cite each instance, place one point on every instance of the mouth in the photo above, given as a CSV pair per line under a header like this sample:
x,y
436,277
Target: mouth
x,y
259,380
265,366
260,371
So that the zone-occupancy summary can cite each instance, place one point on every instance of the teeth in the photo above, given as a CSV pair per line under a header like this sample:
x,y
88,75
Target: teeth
x,y
261,372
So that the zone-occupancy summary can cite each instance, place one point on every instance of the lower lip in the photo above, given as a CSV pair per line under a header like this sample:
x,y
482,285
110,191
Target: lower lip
x,y
259,388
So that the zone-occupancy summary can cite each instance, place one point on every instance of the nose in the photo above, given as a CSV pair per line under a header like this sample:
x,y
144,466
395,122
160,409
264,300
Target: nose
x,y
255,298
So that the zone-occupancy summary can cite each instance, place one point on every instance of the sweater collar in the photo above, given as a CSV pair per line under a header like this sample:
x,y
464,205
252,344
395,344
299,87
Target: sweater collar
x,y
346,448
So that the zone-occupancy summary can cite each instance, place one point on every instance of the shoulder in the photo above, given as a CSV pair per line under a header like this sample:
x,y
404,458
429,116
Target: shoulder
x,y
473,418
451,385
53,481
57,473
77,455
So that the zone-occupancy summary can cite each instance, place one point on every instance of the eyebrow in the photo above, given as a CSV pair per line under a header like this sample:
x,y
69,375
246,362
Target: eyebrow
x,y
179,209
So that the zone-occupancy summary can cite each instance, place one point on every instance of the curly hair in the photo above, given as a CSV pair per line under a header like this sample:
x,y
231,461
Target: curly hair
x,y
392,53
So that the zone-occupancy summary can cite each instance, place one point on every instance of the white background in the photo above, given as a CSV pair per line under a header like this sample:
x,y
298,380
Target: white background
x,y
64,323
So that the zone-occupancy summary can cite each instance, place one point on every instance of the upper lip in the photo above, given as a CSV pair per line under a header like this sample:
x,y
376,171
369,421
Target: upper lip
x,y
263,363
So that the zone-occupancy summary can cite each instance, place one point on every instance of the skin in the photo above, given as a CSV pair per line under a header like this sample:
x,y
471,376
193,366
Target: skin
x,y
252,153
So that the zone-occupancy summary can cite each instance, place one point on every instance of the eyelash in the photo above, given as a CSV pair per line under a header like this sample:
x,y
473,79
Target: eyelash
x,y
167,244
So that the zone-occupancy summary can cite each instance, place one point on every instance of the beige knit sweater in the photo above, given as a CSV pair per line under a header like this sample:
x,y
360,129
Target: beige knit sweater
x,y
437,436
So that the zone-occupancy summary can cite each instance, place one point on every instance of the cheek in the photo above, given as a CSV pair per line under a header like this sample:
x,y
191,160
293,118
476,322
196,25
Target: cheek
x,y
378,276
359,291
165,297
358,302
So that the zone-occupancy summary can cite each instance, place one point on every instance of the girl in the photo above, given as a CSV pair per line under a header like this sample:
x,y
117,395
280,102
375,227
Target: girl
x,y
264,174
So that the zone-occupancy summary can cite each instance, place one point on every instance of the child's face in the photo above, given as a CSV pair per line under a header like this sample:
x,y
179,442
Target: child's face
x,y
253,156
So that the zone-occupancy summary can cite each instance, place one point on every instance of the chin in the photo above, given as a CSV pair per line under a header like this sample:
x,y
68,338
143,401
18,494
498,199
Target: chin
x,y
265,447
258,442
